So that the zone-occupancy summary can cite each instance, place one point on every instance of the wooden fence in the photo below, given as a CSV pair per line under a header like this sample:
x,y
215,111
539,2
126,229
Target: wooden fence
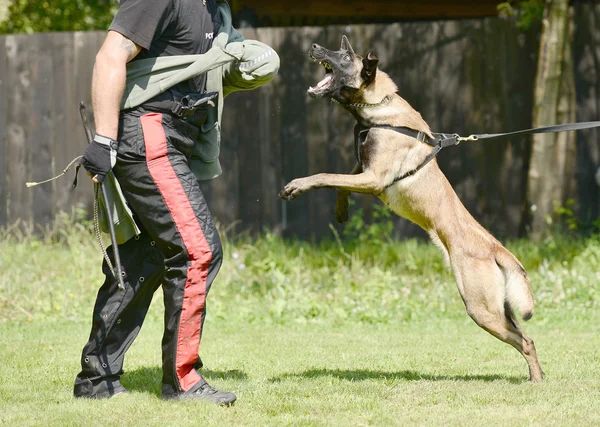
x,y
470,76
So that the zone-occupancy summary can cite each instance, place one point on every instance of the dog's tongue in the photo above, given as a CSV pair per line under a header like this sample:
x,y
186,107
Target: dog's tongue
x,y
325,81
322,83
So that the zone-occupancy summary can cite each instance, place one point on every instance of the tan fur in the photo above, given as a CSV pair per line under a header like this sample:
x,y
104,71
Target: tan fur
x,y
490,279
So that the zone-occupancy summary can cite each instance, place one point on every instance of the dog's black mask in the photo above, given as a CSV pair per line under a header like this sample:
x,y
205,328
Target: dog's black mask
x,y
345,72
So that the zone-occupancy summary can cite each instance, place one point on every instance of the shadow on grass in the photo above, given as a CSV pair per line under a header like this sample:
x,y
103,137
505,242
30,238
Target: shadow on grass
x,y
362,375
148,379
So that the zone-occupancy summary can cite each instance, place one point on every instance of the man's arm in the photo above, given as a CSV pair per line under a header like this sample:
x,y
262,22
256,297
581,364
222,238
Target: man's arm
x,y
108,81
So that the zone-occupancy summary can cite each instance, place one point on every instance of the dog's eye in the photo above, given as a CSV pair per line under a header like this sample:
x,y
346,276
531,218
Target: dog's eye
x,y
346,57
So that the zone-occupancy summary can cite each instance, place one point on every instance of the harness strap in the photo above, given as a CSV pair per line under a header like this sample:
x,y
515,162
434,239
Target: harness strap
x,y
440,141
443,140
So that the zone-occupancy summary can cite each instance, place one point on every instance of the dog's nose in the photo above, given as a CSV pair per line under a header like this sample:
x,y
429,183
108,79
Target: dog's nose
x,y
315,46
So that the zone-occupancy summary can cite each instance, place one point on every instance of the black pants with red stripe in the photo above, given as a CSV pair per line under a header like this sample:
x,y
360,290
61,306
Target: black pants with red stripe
x,y
179,247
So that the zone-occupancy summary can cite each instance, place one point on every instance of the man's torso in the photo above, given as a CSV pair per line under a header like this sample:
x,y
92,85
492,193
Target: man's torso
x,y
170,27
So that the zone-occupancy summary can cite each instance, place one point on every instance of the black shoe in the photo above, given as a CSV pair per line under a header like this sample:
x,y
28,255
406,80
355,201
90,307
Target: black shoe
x,y
203,391
105,389
120,393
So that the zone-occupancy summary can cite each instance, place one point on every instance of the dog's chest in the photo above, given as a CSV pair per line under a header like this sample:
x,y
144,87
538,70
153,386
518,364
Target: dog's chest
x,y
400,204
394,200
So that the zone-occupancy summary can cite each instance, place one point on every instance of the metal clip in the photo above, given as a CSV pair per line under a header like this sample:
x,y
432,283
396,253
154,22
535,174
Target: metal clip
x,y
460,139
177,109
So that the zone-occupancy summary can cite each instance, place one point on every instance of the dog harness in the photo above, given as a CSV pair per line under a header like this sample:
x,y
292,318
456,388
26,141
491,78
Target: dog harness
x,y
443,140
440,140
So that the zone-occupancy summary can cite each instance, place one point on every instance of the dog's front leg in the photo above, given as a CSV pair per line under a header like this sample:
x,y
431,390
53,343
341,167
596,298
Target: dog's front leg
x,y
341,204
366,182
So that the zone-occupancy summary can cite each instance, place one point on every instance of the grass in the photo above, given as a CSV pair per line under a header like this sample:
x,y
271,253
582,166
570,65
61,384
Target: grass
x,y
341,333
445,372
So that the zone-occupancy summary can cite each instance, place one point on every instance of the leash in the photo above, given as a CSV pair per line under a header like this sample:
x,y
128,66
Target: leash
x,y
118,274
545,129
65,170
443,140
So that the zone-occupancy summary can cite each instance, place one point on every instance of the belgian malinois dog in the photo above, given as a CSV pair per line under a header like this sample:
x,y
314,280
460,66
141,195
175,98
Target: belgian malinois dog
x,y
491,281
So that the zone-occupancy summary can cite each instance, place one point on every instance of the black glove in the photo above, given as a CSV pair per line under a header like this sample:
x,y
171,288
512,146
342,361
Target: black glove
x,y
100,157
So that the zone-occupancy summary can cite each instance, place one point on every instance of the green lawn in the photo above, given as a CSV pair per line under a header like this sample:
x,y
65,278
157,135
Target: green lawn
x,y
353,332
444,372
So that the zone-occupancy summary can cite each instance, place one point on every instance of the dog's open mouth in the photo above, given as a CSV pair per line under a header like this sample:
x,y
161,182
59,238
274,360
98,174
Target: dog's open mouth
x,y
324,85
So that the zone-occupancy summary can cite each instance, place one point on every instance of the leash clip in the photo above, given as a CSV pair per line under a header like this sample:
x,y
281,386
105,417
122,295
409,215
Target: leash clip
x,y
460,139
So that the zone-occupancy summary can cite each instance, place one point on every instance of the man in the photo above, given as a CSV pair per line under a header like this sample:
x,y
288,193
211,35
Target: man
x,y
158,146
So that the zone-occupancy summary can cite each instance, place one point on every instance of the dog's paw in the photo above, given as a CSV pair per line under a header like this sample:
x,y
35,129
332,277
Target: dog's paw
x,y
341,216
293,189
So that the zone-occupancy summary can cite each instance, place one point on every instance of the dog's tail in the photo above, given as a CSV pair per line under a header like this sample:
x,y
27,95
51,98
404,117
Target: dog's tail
x,y
518,289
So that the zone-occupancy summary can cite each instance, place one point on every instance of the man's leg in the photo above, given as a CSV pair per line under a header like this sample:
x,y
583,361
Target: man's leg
x,y
167,198
118,317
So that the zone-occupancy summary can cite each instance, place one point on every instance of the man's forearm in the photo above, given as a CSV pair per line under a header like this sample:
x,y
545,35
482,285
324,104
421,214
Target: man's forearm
x,y
108,85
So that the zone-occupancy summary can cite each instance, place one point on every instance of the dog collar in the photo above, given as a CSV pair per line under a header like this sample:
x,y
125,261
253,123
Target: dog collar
x,y
365,105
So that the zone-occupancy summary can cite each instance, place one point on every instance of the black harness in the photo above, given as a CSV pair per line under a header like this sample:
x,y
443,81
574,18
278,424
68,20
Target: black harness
x,y
440,140
443,140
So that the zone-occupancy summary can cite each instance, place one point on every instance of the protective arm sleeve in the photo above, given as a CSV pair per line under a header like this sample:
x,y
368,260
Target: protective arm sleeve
x,y
258,65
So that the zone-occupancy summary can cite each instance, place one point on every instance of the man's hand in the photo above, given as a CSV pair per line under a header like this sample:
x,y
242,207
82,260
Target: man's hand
x,y
100,157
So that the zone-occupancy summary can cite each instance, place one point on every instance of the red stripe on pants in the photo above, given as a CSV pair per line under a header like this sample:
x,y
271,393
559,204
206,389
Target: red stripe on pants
x,y
198,249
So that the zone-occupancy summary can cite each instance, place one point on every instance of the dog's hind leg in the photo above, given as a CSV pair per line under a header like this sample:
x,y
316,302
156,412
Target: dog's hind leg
x,y
525,346
341,205
482,286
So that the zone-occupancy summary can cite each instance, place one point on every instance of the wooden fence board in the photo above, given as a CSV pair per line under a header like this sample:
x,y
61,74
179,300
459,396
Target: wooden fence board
x,y
250,191
294,127
65,118
41,128
18,168
223,193
317,142
86,45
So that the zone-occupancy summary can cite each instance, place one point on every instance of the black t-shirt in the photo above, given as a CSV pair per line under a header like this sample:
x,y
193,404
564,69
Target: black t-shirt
x,y
169,27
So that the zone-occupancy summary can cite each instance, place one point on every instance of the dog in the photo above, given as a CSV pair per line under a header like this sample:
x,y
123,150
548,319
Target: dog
x,y
401,171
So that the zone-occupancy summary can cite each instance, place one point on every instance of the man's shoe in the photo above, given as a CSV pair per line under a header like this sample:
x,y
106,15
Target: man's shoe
x,y
120,393
105,389
203,391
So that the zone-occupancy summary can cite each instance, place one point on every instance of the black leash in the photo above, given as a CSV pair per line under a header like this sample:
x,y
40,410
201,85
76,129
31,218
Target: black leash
x,y
443,140
545,129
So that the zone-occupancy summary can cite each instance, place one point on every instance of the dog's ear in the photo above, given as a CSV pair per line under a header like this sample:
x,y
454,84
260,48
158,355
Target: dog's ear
x,y
346,45
369,67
